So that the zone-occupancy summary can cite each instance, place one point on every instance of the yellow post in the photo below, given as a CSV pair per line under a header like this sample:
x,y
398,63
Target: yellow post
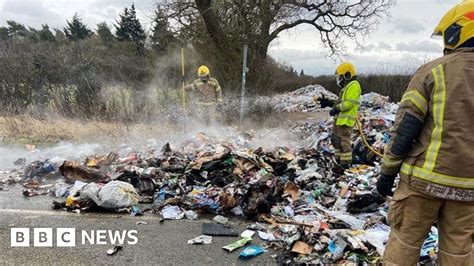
x,y
183,88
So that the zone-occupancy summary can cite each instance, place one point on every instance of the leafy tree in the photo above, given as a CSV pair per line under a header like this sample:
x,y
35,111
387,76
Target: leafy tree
x,y
44,34
76,30
16,29
128,28
162,38
104,33
123,26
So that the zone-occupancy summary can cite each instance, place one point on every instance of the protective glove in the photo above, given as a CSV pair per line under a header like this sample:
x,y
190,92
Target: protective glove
x,y
385,184
334,111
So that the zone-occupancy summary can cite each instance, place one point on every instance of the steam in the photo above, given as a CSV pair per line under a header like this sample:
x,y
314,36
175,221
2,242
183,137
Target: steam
x,y
266,138
158,108
66,150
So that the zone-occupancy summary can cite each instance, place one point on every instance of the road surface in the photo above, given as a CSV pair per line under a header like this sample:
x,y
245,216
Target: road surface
x,y
158,243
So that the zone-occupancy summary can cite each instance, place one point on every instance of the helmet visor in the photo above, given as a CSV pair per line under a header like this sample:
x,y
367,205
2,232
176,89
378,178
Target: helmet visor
x,y
452,35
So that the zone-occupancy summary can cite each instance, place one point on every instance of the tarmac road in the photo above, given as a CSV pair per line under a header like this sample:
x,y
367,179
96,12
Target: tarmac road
x,y
158,243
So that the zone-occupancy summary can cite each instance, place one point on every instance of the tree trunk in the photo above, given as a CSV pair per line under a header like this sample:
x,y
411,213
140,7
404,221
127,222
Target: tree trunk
x,y
260,49
227,55
214,29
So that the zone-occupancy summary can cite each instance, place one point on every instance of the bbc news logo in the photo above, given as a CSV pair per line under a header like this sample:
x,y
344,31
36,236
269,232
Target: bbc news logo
x,y
66,237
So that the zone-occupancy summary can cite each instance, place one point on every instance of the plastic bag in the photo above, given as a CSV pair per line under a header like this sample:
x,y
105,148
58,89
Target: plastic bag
x,y
251,251
118,194
89,192
172,213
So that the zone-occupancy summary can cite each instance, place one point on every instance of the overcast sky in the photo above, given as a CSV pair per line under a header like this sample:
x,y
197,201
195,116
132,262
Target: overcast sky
x,y
401,44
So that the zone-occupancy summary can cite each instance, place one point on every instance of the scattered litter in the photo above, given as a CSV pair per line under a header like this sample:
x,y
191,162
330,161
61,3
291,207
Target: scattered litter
x,y
172,213
74,171
301,247
201,240
429,249
117,194
191,215
220,219
35,192
301,100
251,251
247,234
298,205
266,236
114,195
136,211
114,250
141,223
237,244
337,248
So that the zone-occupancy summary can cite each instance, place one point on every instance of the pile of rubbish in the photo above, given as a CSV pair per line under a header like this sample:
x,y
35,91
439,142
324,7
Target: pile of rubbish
x,y
291,197
297,204
376,117
373,99
301,100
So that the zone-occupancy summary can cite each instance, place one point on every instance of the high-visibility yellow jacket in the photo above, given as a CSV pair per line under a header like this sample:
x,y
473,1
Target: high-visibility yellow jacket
x,y
348,104
439,159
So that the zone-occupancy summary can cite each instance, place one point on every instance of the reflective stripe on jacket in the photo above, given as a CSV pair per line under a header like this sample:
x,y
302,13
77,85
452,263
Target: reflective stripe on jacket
x,y
348,104
206,93
441,161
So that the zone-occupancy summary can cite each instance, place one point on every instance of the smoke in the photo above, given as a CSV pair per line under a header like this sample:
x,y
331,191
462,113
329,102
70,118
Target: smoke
x,y
152,116
9,154
268,138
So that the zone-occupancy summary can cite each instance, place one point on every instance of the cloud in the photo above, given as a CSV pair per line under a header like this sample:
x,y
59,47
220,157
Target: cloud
x,y
374,48
366,48
29,12
419,47
55,12
383,46
312,61
408,26
315,62
401,44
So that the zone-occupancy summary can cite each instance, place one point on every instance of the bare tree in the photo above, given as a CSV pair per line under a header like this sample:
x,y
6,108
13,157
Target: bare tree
x,y
230,24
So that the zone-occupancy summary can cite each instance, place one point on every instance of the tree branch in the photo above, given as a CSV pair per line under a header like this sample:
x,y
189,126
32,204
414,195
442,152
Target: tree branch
x,y
334,19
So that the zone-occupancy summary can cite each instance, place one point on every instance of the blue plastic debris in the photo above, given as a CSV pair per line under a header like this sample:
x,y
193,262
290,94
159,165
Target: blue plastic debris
x,y
430,246
337,248
251,251
135,211
47,168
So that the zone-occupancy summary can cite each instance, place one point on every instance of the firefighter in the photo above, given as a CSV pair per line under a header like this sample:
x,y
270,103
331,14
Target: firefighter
x,y
431,148
206,95
345,113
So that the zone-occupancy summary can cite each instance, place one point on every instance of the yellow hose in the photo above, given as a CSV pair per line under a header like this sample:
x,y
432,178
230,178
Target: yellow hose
x,y
364,140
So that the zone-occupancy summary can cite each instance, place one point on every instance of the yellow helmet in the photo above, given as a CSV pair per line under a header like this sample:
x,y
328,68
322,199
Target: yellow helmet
x,y
457,25
346,70
203,71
